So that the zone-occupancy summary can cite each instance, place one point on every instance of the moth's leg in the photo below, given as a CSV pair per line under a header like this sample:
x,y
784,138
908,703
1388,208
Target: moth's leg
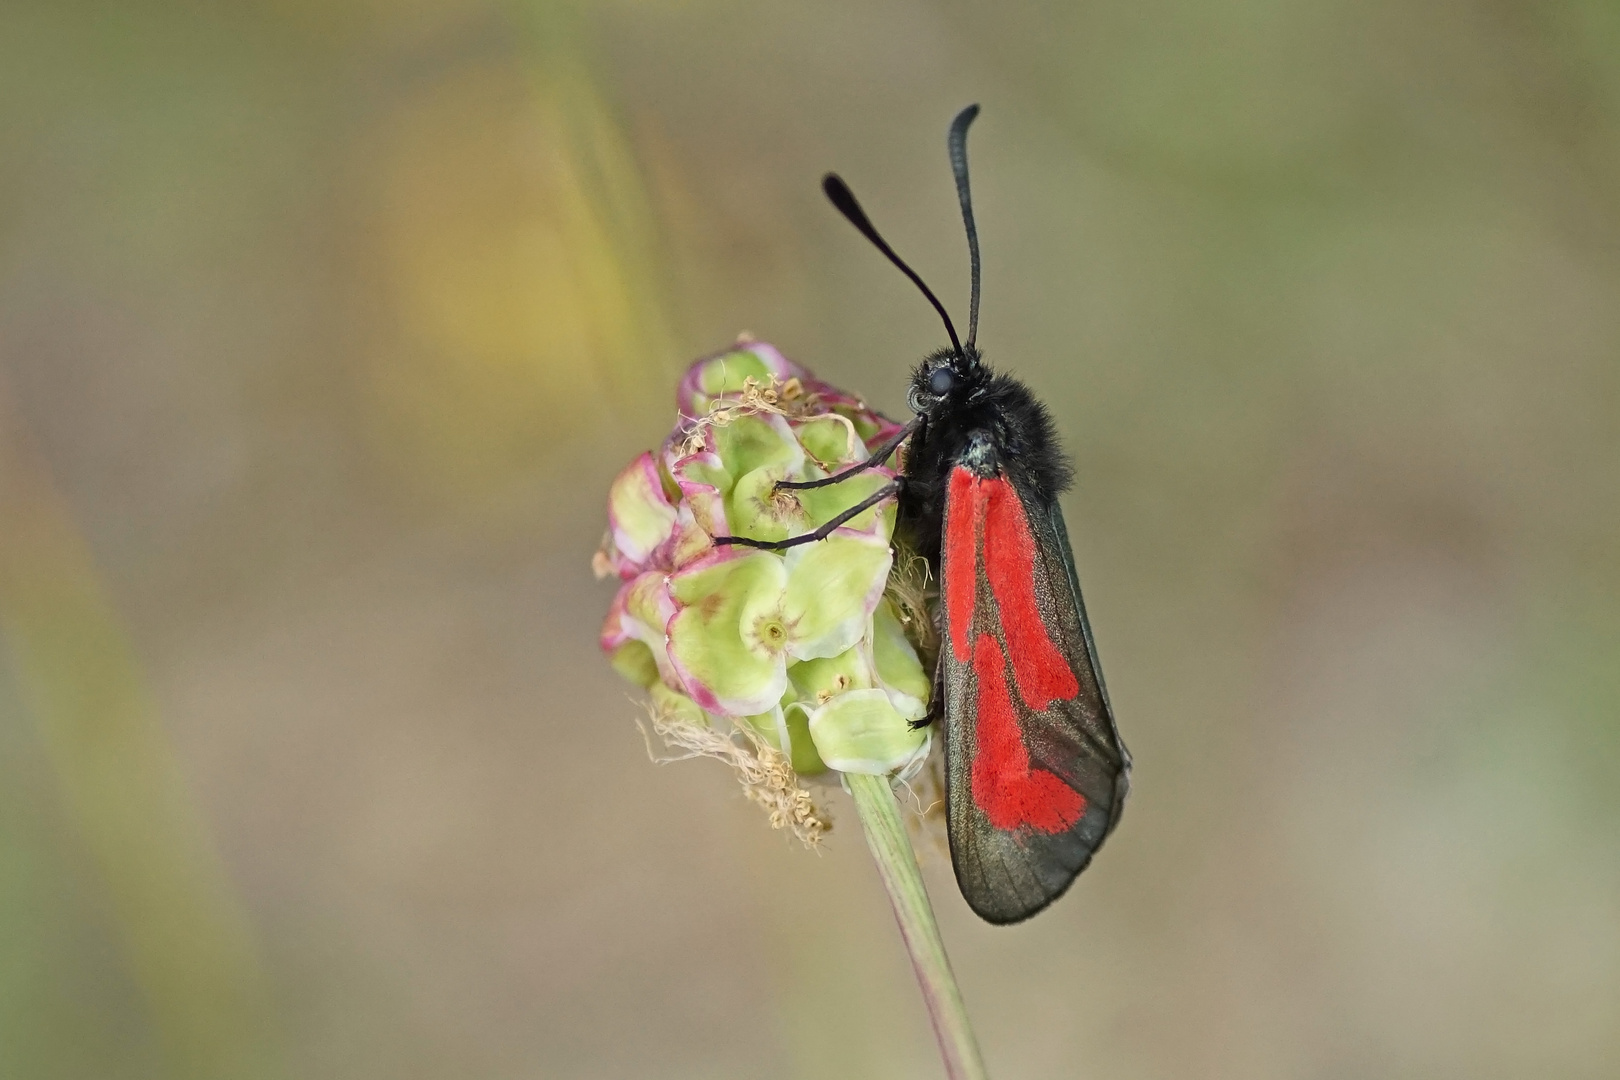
x,y
887,491
885,452
936,703
936,700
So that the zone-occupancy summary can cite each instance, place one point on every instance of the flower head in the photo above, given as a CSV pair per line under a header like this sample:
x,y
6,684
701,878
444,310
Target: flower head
x,y
784,663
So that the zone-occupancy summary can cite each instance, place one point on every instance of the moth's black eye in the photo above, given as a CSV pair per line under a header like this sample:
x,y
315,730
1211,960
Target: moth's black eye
x,y
941,382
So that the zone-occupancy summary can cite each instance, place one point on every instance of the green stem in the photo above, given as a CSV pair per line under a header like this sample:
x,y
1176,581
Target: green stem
x,y
897,863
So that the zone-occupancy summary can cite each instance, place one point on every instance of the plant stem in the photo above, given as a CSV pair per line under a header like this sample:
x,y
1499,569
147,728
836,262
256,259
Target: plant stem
x,y
897,863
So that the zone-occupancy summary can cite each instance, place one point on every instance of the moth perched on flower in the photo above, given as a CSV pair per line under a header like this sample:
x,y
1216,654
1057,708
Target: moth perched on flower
x,y
784,664
1034,781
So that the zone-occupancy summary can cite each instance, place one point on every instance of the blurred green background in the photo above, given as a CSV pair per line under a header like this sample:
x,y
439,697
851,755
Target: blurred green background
x,y
324,325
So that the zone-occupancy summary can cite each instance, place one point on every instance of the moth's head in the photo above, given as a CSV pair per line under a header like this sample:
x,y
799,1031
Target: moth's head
x,y
945,376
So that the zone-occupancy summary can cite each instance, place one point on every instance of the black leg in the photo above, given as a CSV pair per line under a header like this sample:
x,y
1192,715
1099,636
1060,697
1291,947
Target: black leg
x,y
887,491
885,452
936,703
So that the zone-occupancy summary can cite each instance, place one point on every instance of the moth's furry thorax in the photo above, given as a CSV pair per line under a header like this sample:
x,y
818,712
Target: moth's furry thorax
x,y
974,417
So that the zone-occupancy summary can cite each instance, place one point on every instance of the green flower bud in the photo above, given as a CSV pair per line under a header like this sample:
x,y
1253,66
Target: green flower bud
x,y
862,732
634,660
894,660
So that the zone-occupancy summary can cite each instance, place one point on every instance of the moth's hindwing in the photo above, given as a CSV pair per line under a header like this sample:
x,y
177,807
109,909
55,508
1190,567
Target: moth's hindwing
x,y
1036,774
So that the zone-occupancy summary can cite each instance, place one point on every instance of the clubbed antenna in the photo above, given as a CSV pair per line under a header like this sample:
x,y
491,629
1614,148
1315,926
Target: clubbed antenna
x,y
839,194
957,143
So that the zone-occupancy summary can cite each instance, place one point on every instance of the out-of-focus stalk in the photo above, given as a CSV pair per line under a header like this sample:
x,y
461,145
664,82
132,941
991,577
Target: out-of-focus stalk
x,y
897,864
186,938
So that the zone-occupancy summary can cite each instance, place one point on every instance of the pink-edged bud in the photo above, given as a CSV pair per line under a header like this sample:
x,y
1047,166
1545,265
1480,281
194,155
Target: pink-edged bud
x,y
726,373
641,517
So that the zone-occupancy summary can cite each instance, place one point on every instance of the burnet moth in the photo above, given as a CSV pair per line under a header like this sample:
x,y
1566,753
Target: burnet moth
x,y
1036,774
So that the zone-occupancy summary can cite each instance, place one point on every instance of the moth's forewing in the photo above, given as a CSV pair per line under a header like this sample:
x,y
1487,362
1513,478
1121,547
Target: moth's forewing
x,y
1108,731
1035,772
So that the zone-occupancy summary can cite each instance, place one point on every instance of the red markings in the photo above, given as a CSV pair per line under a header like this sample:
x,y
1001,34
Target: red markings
x,y
964,505
1042,671
1004,787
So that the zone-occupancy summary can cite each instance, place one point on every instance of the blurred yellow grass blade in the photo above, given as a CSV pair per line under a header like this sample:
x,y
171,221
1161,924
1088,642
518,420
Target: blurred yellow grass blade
x,y
187,941
516,249
613,215
611,206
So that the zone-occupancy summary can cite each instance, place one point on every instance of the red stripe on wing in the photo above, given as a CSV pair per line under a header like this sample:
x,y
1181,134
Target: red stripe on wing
x,y
963,509
1041,669
1004,788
